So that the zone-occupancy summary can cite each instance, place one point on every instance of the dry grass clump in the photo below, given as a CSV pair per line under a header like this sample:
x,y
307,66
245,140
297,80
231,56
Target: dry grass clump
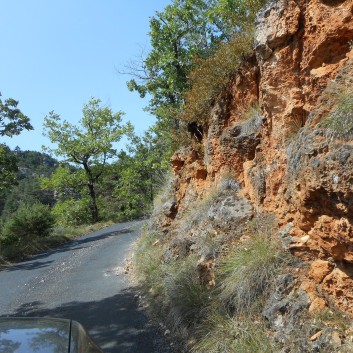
x,y
336,105
222,318
234,334
250,268
340,121
248,272
228,182
245,275
185,297
147,261
251,119
173,288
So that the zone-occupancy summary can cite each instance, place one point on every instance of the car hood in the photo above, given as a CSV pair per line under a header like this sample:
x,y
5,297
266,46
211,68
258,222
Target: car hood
x,y
27,335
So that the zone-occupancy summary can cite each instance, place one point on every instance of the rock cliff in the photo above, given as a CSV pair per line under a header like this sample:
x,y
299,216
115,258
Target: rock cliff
x,y
266,131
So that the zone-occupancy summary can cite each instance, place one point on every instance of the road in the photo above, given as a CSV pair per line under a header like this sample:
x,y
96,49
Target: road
x,y
84,280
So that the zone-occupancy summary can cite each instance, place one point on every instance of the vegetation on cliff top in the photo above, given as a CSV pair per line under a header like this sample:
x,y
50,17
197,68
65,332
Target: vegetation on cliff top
x,y
197,46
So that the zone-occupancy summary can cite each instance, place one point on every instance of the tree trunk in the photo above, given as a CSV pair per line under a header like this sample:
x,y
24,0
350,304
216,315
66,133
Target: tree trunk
x,y
94,208
92,193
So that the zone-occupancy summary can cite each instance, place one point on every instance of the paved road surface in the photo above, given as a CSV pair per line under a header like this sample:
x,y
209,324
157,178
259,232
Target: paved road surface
x,y
84,280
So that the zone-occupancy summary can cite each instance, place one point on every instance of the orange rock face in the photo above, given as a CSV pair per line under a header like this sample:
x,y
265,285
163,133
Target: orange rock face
x,y
284,161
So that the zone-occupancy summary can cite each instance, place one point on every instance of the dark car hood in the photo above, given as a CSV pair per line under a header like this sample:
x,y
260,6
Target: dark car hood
x,y
27,335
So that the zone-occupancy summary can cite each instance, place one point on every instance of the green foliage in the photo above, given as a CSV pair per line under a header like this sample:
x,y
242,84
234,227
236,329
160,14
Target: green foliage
x,y
8,168
34,164
178,34
72,212
184,31
235,16
183,37
89,145
27,222
212,76
31,165
12,120
140,174
66,181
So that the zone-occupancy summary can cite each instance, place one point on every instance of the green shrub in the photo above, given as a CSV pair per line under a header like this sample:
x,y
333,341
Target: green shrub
x,y
72,212
212,75
28,222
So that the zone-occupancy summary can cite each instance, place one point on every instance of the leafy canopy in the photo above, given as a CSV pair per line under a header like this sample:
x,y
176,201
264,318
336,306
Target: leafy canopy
x,y
12,120
90,142
182,36
88,145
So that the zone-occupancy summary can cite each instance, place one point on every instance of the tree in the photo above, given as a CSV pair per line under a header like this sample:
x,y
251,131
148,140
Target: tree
x,y
180,33
140,173
12,122
90,145
8,167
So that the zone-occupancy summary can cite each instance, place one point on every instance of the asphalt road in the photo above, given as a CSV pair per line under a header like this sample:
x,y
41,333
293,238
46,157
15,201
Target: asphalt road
x,y
84,280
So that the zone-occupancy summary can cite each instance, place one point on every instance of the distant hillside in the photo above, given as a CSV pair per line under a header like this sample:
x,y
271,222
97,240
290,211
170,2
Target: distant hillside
x,y
31,165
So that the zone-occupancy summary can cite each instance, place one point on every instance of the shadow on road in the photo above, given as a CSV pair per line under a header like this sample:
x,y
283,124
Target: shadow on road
x,y
28,265
74,245
117,324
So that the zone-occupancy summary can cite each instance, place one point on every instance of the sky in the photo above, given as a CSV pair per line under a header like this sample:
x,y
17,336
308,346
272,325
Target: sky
x,y
57,54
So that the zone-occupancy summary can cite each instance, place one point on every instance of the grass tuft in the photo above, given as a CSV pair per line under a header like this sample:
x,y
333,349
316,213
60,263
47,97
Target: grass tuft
x,y
249,270
340,122
234,334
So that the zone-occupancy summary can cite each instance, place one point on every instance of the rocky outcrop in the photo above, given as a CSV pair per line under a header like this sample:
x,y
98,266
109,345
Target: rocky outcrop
x,y
265,131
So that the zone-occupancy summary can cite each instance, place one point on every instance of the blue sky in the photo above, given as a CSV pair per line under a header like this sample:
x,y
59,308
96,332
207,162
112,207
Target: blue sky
x,y
57,54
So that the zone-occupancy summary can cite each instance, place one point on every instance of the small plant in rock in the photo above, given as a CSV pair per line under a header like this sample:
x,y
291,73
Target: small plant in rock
x,y
228,182
294,125
340,122
251,119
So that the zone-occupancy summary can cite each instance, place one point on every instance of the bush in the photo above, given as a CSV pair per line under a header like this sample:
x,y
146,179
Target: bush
x,y
72,212
212,75
27,222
